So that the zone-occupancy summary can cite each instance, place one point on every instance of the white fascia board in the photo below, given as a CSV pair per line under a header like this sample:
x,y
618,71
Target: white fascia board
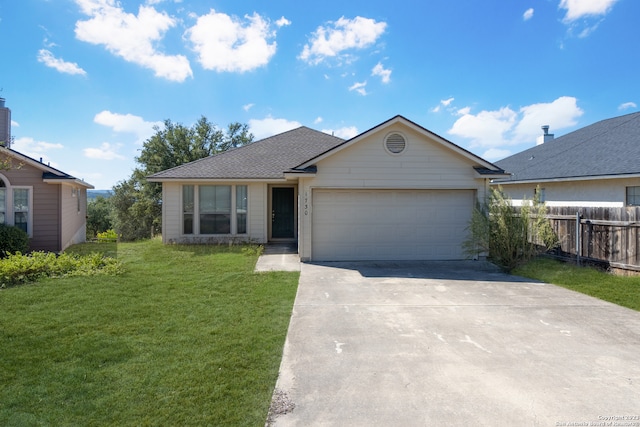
x,y
569,179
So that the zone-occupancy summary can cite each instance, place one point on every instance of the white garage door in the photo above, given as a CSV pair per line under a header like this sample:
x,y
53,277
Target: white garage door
x,y
390,224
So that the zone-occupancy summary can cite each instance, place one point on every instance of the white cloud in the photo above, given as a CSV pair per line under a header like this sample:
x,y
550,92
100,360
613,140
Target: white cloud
x,y
627,105
283,22
264,128
487,128
443,103
464,110
384,74
493,154
346,132
318,120
506,127
106,151
224,43
132,37
561,113
344,34
577,9
35,149
15,124
47,58
247,107
127,123
528,14
359,87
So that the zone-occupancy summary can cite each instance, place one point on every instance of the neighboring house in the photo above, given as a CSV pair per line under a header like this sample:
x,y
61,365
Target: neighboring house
x,y
596,166
50,205
396,191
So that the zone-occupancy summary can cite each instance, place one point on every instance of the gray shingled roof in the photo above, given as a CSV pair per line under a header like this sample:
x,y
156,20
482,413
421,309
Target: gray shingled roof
x,y
608,147
268,158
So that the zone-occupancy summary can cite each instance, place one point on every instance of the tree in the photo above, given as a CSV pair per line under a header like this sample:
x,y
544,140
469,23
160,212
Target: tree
x,y
137,203
509,235
98,216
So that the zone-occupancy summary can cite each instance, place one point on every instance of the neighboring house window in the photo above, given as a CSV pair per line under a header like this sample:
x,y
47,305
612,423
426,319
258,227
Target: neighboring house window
x,y
3,202
241,209
215,209
15,206
540,193
187,209
75,192
221,209
21,209
633,196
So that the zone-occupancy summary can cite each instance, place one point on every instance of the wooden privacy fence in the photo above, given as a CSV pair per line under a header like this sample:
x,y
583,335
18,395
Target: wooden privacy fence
x,y
603,235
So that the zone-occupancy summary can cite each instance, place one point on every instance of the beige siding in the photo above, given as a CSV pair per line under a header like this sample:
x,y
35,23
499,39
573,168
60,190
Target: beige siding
x,y
425,164
172,213
367,164
594,193
74,222
171,207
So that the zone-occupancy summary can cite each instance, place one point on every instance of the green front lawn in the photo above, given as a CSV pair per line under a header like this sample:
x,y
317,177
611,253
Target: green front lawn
x,y
187,336
621,290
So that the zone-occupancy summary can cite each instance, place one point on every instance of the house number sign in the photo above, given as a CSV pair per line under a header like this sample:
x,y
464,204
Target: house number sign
x,y
306,203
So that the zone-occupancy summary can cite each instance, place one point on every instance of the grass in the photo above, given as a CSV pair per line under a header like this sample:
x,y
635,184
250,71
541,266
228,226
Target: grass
x,y
188,335
621,290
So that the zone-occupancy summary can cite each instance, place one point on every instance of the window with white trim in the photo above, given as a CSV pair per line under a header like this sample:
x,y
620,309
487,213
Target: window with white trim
x,y
633,196
21,209
15,205
187,209
3,202
214,209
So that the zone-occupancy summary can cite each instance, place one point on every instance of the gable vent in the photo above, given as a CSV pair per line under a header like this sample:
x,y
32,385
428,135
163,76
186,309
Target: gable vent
x,y
395,143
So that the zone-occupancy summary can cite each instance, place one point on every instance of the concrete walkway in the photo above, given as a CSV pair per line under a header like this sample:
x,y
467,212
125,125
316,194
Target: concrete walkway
x,y
456,344
279,257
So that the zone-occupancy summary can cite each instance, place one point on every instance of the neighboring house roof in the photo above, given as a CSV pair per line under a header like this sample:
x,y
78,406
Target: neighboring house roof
x,y
49,174
606,149
268,158
292,152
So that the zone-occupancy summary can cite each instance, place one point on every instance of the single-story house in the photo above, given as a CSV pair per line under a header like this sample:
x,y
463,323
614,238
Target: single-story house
x,y
595,166
50,205
396,191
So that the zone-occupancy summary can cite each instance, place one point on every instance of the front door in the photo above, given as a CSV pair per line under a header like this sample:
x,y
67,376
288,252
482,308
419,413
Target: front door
x,y
282,213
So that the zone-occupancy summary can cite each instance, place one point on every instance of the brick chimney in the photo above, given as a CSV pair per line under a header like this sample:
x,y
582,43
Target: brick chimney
x,y
5,125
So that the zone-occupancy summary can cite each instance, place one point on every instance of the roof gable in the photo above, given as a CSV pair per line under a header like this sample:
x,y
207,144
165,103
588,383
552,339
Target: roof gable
x,y
606,148
486,167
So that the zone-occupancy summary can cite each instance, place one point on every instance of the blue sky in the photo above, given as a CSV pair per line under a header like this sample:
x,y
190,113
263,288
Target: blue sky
x,y
87,80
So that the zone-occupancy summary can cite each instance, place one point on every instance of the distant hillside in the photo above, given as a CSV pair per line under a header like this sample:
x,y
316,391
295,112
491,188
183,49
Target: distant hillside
x,y
93,194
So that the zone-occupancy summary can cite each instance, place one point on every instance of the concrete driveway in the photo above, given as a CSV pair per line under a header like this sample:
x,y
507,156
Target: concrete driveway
x,y
453,343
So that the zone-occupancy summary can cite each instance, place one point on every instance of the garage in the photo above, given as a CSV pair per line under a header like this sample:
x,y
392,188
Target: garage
x,y
356,224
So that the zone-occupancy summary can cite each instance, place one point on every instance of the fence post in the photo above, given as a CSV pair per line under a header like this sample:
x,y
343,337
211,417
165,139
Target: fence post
x,y
578,239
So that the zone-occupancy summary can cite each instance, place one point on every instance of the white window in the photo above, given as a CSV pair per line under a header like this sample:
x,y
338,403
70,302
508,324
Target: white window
x,y
15,205
214,209
3,202
21,210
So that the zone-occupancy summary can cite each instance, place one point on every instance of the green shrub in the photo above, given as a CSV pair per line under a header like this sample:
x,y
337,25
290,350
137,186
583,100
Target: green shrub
x,y
12,239
509,235
17,268
109,236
